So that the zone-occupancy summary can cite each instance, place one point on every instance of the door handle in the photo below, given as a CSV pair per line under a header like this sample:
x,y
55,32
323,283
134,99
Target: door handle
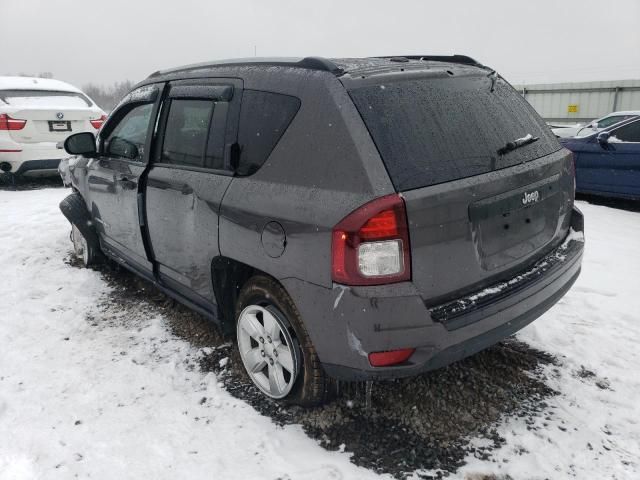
x,y
127,184
186,190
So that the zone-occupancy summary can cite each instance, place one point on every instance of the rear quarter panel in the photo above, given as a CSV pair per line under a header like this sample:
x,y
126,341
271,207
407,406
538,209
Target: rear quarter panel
x,y
324,166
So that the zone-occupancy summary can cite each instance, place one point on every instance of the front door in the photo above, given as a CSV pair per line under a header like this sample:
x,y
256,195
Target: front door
x,y
613,167
185,185
624,145
114,177
592,161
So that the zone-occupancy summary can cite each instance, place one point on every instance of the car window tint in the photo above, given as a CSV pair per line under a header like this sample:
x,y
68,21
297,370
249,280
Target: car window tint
x,y
435,130
628,133
607,122
186,132
215,153
264,117
132,129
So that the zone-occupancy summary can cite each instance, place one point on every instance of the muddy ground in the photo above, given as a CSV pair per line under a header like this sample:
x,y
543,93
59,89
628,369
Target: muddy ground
x,y
398,427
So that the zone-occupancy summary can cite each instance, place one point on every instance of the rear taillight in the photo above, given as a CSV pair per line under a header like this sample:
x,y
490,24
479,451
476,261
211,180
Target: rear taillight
x,y
573,172
8,123
97,123
371,245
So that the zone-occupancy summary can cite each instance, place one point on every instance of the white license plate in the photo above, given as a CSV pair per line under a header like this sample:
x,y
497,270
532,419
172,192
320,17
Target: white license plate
x,y
59,126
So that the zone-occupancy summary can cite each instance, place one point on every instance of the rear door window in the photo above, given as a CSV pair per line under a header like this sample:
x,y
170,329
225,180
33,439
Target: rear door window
x,y
264,117
186,132
430,131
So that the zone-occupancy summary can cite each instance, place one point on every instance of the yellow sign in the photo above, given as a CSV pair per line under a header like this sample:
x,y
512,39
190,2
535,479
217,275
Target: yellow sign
x,y
572,108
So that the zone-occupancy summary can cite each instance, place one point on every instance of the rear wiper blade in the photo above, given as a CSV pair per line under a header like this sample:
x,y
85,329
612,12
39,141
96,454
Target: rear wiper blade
x,y
517,143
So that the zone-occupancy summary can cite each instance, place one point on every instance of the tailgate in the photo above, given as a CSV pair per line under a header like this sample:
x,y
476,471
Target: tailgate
x,y
487,186
472,232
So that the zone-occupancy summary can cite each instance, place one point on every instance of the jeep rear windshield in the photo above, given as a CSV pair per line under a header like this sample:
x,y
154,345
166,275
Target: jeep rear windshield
x,y
430,131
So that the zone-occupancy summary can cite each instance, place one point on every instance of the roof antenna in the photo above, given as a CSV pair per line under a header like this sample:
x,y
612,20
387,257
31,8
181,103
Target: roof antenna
x,y
493,75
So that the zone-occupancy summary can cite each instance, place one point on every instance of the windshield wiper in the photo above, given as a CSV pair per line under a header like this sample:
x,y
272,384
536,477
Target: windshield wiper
x,y
517,143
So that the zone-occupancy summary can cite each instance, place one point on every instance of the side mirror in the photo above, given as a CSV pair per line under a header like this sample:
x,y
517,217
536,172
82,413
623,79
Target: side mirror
x,y
81,144
603,139
119,147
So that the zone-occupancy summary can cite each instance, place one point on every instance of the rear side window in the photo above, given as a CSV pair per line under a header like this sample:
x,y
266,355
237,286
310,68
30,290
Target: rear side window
x,y
44,98
430,131
264,117
186,132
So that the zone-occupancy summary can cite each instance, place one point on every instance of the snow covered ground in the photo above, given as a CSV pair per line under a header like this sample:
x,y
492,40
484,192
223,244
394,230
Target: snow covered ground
x,y
81,394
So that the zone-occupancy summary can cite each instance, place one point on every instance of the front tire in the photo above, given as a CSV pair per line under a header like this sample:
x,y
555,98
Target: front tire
x,y
83,251
274,346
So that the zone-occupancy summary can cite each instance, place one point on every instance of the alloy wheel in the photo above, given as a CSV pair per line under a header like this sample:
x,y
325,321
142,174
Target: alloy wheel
x,y
267,350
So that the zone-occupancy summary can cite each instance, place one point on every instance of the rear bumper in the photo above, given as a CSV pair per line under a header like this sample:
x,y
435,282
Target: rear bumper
x,y
361,320
38,167
32,158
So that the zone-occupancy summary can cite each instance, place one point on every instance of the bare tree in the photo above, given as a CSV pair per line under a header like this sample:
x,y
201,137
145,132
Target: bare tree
x,y
108,96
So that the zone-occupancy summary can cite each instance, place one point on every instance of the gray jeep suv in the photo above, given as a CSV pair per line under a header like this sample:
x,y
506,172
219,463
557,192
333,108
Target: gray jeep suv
x,y
354,219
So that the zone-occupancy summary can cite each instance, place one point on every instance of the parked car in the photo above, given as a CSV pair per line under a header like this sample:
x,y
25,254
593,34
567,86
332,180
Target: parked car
x,y
35,115
563,131
595,125
608,162
357,219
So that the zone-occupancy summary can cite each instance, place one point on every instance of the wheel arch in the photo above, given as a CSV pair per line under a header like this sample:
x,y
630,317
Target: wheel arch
x,y
228,276
74,208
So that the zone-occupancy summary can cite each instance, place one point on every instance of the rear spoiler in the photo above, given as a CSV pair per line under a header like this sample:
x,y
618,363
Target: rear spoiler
x,y
463,59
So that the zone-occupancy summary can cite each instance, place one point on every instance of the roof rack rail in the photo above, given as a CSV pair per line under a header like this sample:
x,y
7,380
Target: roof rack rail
x,y
309,63
463,59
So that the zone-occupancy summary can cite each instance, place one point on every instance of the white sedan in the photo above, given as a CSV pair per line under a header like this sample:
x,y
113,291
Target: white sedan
x,y
36,114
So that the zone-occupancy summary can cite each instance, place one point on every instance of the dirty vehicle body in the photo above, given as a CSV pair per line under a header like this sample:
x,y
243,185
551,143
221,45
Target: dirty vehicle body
x,y
356,219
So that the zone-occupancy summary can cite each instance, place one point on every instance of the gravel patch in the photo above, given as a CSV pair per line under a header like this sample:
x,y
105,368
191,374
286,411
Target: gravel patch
x,y
416,425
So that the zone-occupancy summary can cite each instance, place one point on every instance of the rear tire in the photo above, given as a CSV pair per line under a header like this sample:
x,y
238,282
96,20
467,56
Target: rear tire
x,y
266,315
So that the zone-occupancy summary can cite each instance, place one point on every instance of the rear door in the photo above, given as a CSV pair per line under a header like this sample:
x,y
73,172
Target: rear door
x,y
187,180
113,179
614,167
478,210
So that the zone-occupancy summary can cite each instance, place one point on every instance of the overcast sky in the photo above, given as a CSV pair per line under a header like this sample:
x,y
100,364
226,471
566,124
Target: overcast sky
x,y
532,41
